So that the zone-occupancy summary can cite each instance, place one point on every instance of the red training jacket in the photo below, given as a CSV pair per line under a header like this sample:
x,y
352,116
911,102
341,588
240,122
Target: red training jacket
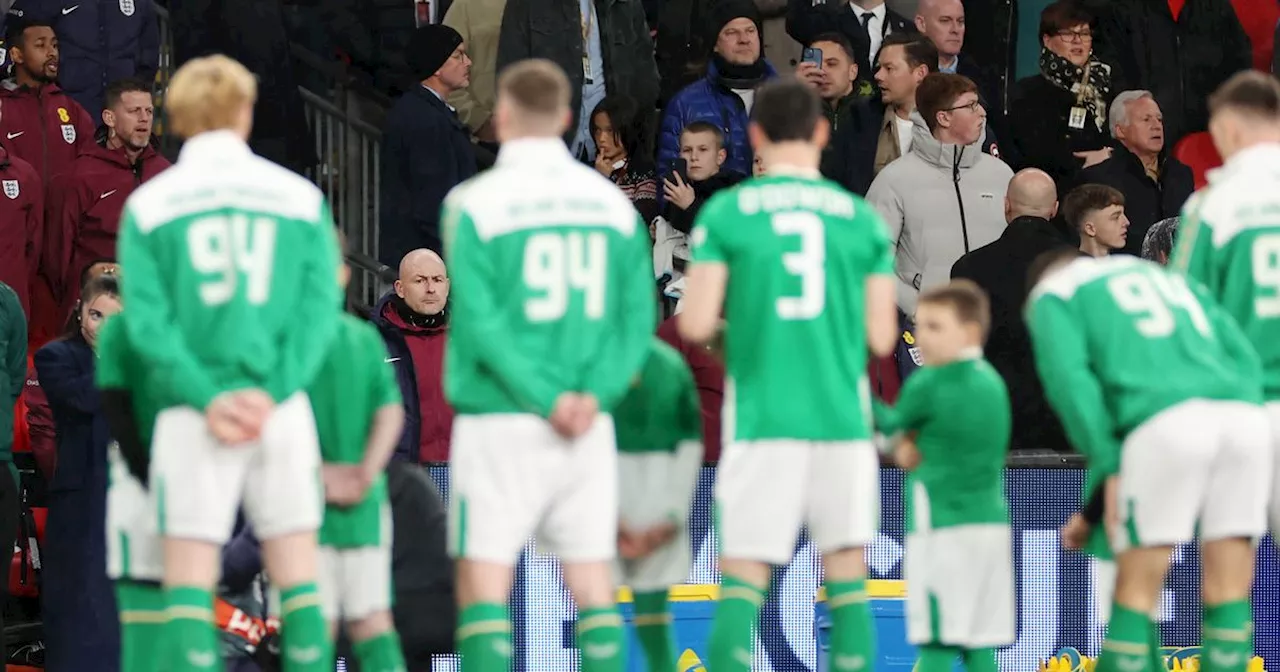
x,y
708,375
44,126
83,214
21,224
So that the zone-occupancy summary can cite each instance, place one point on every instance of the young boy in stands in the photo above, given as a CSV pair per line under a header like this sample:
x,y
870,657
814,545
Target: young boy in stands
x,y
959,556
702,148
1096,211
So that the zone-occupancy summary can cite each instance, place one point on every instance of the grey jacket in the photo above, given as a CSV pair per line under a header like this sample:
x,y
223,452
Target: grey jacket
x,y
940,201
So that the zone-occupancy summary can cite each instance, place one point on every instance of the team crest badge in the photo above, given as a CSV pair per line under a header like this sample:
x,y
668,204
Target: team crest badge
x,y
11,188
69,133
916,357
126,7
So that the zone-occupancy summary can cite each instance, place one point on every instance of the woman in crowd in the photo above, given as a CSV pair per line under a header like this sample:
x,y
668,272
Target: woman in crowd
x,y
618,129
1061,121
79,609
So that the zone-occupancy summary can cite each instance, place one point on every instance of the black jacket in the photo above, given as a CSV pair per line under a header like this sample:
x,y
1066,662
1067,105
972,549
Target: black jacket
x,y
551,29
1041,136
682,220
807,20
1145,201
426,151
850,155
1180,62
1001,269
374,35
992,42
997,140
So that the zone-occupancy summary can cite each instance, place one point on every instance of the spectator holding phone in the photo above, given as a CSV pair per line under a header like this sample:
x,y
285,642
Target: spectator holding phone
x,y
696,174
829,67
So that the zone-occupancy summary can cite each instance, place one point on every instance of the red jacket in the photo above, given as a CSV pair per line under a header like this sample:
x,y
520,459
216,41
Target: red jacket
x,y
708,375
417,353
21,224
83,214
44,126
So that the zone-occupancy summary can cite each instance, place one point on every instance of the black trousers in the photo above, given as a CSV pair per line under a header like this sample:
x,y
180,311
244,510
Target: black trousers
x,y
9,509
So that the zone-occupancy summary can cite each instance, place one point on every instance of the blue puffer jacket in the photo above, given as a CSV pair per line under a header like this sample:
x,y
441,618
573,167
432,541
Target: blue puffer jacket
x,y
99,42
708,100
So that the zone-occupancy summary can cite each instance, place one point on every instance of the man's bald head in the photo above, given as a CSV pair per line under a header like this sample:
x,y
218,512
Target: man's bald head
x,y
424,282
942,21
1031,193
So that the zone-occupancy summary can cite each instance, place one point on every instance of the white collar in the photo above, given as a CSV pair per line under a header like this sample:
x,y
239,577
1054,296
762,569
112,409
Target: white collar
x,y
879,11
969,354
1266,155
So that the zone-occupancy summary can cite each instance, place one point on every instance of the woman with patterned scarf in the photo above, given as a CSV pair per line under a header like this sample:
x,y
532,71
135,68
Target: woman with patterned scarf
x,y
1058,118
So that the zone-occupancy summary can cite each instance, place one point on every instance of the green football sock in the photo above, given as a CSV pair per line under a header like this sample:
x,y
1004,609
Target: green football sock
x,y
853,640
653,627
1127,647
142,625
936,658
380,653
980,660
1157,659
306,644
600,638
484,638
729,648
1228,637
189,631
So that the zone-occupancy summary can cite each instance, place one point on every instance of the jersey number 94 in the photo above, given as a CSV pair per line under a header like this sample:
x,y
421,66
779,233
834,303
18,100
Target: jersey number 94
x,y
556,265
223,248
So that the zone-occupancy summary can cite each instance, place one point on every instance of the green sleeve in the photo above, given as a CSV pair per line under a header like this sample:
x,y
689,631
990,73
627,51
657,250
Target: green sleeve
x,y
109,372
385,391
477,324
882,248
1238,346
15,355
610,377
178,378
707,242
1194,254
1062,360
303,350
912,407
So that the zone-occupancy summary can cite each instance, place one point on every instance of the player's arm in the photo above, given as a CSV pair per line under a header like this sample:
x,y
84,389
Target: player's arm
x,y
178,377
1194,253
478,324
1062,360
911,410
609,379
708,275
1237,346
388,420
304,347
117,398
881,290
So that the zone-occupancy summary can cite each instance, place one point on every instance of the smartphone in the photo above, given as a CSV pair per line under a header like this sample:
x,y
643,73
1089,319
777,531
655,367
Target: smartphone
x,y
681,167
812,55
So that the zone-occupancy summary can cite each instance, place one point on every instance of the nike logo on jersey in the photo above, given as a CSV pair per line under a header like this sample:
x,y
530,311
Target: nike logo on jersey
x,y
202,658
14,135
390,360
108,193
70,9
302,654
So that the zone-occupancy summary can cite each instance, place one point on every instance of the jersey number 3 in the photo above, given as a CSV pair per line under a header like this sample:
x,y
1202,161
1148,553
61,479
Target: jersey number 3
x,y
808,263
226,247
556,264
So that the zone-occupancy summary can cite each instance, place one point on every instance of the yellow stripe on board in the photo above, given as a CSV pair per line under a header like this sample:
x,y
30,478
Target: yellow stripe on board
x,y
877,589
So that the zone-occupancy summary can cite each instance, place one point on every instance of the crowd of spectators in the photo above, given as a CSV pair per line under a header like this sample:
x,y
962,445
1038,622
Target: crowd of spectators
x,y
974,172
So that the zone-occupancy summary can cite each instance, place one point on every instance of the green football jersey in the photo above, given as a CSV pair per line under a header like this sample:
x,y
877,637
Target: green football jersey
x,y
799,251
119,367
552,284
961,414
355,380
661,409
1118,340
1229,240
230,265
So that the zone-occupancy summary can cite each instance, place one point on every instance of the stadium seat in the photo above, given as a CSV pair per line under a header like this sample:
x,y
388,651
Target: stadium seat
x,y
1197,151
1259,20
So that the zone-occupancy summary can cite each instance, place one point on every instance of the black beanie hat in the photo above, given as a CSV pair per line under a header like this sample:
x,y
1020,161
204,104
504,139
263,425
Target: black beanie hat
x,y
429,48
724,11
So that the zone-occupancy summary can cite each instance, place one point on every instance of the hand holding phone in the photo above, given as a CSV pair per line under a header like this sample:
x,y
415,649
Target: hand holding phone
x,y
812,55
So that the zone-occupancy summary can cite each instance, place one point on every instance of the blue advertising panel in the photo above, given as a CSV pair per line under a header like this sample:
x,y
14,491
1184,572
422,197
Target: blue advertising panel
x,y
1055,589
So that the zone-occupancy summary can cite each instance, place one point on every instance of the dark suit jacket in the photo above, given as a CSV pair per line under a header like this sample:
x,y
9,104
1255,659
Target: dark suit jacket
x,y
807,20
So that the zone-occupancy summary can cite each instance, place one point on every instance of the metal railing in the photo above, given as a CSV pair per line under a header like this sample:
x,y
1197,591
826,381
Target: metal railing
x,y
348,148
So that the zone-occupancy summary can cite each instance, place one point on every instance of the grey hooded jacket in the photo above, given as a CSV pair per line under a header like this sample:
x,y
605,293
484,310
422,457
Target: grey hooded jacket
x,y
940,201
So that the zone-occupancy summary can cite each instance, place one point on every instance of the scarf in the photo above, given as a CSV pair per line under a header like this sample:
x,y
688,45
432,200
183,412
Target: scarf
x,y
1090,84
417,320
739,76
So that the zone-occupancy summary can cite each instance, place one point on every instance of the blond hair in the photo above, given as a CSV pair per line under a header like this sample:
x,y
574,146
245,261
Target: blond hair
x,y
537,89
207,94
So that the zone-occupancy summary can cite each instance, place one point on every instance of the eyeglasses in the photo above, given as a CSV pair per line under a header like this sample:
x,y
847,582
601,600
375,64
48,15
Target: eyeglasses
x,y
1075,35
972,107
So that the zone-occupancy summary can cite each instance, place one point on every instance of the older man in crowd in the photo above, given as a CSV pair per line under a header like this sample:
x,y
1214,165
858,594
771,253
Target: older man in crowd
x,y
1000,268
414,322
1155,185
944,198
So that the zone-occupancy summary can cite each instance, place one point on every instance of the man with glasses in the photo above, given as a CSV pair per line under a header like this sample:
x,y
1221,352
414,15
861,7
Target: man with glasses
x,y
944,195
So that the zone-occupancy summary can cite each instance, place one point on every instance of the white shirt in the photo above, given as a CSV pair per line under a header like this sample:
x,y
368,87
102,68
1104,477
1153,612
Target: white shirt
x,y
905,131
748,97
875,29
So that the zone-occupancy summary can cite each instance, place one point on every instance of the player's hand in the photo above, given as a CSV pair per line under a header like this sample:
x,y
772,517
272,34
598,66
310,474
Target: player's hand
x,y
630,543
586,410
1111,506
660,535
1075,532
233,419
678,193
343,484
906,454
563,414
